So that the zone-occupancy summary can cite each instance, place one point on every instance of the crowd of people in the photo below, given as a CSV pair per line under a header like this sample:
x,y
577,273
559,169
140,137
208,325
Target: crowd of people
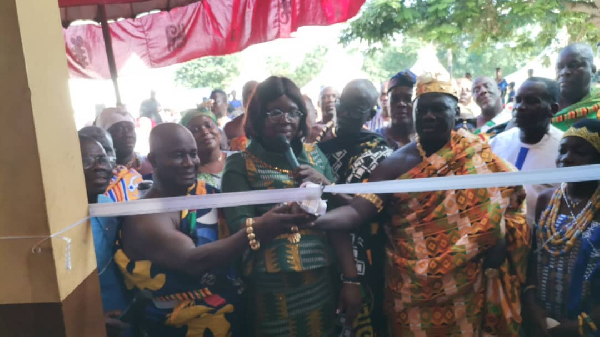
x,y
509,261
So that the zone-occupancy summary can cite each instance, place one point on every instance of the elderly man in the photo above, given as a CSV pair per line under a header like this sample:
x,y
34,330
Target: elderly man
x,y
97,170
456,259
534,142
574,71
124,184
353,155
184,257
488,97
325,128
121,126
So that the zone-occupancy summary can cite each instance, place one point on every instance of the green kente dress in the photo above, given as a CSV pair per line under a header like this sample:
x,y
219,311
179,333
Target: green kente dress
x,y
290,291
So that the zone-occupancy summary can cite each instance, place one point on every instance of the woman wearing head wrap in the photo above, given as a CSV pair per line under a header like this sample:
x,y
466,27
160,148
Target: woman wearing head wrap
x,y
562,297
400,92
202,123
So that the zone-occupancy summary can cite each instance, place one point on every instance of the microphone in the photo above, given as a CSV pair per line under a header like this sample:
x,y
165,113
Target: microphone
x,y
287,151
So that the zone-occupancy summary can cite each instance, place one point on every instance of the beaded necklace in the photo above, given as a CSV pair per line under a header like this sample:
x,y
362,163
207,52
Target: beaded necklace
x,y
570,232
324,131
422,152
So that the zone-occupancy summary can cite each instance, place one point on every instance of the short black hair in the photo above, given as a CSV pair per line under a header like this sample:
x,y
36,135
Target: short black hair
x,y
552,88
217,91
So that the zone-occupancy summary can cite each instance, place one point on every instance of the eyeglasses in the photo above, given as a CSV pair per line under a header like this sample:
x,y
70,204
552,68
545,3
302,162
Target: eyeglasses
x,y
277,115
102,160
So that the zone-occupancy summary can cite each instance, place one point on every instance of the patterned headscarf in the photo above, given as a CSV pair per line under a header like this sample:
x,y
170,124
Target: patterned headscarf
x,y
404,78
190,114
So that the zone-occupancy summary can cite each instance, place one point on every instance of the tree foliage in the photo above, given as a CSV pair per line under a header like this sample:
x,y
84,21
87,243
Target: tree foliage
x,y
209,72
383,63
309,68
477,25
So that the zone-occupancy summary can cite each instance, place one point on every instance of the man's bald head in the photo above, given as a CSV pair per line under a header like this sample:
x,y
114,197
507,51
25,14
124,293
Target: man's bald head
x,y
574,71
166,136
360,93
581,49
357,105
174,157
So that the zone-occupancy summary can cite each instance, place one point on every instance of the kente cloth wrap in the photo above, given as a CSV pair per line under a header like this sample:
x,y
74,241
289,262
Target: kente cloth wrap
x,y
184,305
123,185
293,281
588,107
352,160
291,304
435,281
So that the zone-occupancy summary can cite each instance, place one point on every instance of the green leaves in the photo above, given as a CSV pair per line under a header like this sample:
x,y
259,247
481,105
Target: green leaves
x,y
479,24
311,66
209,72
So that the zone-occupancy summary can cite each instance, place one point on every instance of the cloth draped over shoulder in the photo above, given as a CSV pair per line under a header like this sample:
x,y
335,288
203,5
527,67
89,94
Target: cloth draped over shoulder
x,y
588,107
436,285
123,185
184,305
258,169
289,283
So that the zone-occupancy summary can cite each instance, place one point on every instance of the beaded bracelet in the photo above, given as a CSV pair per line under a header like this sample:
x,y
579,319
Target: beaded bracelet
x,y
254,244
373,199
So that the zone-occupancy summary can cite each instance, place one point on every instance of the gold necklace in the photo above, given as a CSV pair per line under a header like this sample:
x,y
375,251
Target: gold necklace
x,y
275,168
422,152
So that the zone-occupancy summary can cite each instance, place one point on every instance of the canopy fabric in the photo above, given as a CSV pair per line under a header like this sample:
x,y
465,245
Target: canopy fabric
x,y
73,10
208,27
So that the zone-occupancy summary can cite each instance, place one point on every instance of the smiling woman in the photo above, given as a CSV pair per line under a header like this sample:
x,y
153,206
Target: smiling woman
x,y
294,268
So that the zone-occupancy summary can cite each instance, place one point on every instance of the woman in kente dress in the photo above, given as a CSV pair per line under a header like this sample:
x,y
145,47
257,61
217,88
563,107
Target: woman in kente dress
x,y
289,280
562,297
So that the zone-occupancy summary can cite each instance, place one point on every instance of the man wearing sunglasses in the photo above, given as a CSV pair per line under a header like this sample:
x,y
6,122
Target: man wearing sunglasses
x,y
97,169
353,155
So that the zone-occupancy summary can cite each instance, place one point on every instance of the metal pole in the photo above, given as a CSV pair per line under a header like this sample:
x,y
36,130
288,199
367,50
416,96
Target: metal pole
x,y
110,56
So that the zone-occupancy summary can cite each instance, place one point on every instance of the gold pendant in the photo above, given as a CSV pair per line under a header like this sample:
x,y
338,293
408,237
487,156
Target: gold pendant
x,y
294,238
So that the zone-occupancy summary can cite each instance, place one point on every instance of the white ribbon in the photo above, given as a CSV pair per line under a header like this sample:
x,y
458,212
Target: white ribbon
x,y
149,206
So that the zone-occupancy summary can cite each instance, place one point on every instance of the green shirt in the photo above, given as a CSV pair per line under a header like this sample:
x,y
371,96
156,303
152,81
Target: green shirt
x,y
257,169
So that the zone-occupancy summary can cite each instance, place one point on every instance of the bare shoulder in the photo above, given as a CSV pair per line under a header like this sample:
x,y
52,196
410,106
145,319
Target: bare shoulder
x,y
140,231
400,162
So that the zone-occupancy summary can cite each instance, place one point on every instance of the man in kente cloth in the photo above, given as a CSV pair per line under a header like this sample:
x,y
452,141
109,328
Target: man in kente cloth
x,y
574,71
456,259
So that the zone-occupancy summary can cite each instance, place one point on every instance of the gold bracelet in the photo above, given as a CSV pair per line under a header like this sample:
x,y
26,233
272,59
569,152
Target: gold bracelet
x,y
373,199
529,287
254,244
589,322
